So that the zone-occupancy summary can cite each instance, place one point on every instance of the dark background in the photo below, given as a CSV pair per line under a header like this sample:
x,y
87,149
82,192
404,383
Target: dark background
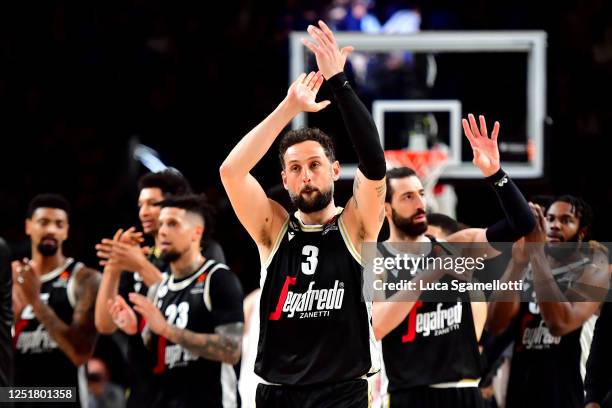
x,y
80,81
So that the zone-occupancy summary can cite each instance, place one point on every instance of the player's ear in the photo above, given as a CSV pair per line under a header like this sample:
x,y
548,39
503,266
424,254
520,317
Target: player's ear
x,y
336,170
387,209
284,178
198,232
28,226
582,232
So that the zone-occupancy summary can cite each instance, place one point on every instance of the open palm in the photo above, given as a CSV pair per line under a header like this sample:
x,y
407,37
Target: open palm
x,y
485,150
303,92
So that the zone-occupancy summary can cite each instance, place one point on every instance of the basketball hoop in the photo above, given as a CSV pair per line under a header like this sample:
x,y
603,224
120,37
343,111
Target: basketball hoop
x,y
428,164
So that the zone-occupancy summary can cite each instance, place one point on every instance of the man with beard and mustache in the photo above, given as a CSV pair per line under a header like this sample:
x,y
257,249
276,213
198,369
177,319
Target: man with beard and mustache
x,y
315,342
54,296
195,320
127,269
441,367
565,279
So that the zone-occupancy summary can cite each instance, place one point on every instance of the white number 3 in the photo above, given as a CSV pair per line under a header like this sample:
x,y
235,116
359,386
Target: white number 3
x,y
309,267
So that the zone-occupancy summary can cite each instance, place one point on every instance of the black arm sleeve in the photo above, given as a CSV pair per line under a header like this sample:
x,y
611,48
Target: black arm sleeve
x,y
226,298
360,127
519,220
6,317
598,380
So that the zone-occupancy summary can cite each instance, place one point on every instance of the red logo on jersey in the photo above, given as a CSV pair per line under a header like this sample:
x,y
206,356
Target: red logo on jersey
x,y
276,315
437,322
411,334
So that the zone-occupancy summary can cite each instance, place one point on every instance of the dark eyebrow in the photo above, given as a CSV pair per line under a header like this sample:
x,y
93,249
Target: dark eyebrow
x,y
310,158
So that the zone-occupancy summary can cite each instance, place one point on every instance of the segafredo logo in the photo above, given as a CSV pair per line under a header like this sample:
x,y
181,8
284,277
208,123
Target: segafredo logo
x,y
438,322
313,303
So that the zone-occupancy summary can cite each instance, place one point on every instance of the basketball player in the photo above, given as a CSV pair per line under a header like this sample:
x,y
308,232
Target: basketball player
x,y
6,317
441,367
54,299
564,274
127,255
195,321
315,336
129,270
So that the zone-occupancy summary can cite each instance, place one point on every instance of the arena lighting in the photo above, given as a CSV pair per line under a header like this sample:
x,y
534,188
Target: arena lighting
x,y
149,158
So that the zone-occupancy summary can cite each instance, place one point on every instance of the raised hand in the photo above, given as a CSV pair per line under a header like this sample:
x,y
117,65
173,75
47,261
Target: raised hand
x,y
123,316
519,252
303,92
485,150
155,320
28,282
538,235
131,237
122,252
330,59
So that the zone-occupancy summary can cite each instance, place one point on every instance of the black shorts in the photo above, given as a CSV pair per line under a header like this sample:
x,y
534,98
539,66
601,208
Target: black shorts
x,y
347,394
428,397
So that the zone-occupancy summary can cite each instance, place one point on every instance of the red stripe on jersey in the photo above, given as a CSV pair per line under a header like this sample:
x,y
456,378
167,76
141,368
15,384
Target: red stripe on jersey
x,y
19,326
161,355
411,334
289,280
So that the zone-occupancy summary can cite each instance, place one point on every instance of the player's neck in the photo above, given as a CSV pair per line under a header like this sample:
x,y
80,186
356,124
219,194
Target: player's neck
x,y
46,264
319,217
187,264
397,235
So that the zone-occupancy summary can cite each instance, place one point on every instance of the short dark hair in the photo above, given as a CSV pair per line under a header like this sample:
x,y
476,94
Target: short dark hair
x,y
193,203
581,209
171,182
48,200
446,223
397,173
301,135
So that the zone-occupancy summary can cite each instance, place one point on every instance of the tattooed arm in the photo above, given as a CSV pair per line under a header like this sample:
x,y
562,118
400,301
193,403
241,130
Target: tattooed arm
x,y
76,340
227,314
225,345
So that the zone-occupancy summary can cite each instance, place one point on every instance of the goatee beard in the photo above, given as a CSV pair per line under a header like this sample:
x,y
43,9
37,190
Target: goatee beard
x,y
169,256
564,249
47,249
319,201
407,225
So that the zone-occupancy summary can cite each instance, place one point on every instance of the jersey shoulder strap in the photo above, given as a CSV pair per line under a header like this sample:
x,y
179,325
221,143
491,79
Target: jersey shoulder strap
x,y
212,268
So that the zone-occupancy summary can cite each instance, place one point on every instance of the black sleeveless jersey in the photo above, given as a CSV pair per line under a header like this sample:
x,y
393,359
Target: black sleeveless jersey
x,y
38,360
545,369
314,326
436,343
210,297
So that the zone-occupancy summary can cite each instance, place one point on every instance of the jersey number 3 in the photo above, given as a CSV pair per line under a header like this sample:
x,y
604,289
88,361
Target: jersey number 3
x,y
311,252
